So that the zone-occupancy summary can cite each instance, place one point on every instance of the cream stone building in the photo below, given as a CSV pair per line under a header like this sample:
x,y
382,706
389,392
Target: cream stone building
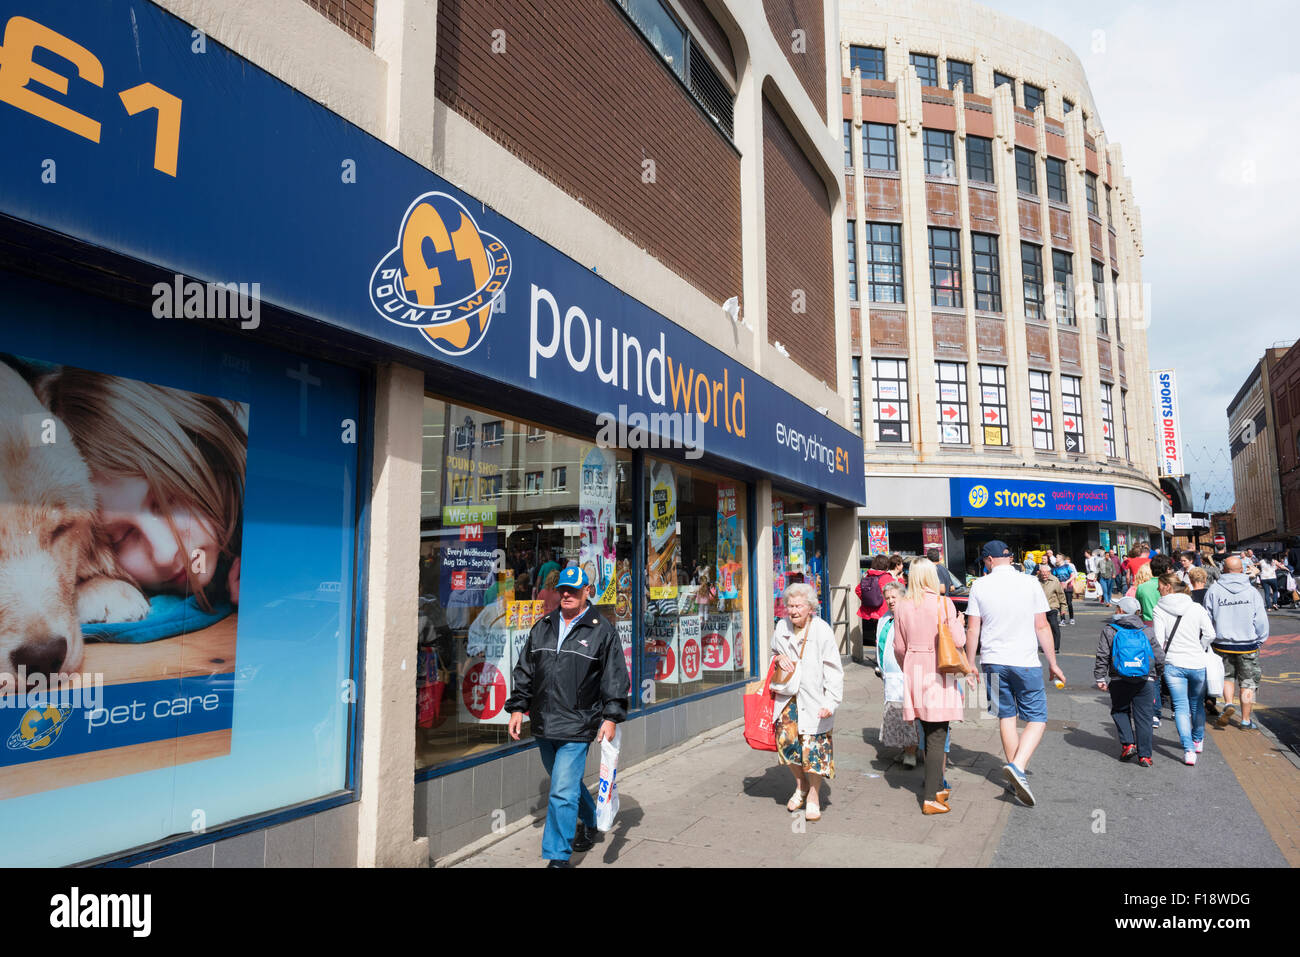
x,y
996,298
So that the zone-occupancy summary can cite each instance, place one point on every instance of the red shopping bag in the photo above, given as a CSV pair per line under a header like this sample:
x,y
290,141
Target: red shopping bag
x,y
759,733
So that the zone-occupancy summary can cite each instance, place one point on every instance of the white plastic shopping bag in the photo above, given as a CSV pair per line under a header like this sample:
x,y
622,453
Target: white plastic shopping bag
x,y
607,795
1213,673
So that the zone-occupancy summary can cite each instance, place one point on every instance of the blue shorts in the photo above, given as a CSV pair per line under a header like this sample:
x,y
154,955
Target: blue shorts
x,y
1021,691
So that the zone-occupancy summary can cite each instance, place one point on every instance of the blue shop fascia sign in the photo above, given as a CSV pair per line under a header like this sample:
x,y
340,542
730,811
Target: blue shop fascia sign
x,y
125,128
1002,498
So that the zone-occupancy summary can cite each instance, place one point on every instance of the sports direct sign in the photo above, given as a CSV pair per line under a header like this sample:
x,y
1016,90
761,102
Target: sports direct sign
x,y
1169,437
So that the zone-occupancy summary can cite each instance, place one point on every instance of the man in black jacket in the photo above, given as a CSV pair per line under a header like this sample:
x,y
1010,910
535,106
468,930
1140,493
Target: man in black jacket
x,y
571,677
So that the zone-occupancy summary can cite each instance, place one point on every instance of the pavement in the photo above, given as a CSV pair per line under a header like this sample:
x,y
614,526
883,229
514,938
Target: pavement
x,y
714,802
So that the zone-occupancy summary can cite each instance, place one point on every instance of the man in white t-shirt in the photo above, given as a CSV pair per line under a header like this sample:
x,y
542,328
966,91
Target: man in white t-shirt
x,y
1006,619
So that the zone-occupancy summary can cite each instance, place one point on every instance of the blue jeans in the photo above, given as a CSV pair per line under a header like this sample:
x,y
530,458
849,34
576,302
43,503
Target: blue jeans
x,y
1270,591
1105,584
565,761
1187,688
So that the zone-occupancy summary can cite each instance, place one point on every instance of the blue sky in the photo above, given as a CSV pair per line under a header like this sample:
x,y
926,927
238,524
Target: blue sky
x,y
1203,100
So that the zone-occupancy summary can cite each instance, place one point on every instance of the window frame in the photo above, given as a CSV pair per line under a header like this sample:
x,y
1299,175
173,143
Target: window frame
x,y
501,434
968,77
1066,105
895,264
945,262
1063,288
931,67
1090,194
1054,180
985,155
871,140
1099,298
860,55
953,374
857,394
1114,280
1004,79
946,144
986,267
1123,411
899,379
1072,397
1108,419
848,144
1026,171
1037,283
1040,402
1039,93
852,246
999,405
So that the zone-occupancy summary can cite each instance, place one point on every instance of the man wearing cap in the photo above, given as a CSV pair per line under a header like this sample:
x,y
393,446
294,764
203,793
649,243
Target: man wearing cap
x,y
1006,620
573,668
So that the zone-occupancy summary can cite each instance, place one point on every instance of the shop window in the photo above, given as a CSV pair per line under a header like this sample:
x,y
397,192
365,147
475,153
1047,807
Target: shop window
x,y
797,551
953,406
1055,170
1072,413
927,68
940,159
884,262
1108,419
1063,286
489,565
890,400
697,586
993,405
1031,267
1026,171
979,159
988,278
870,60
945,268
961,72
880,146
1040,410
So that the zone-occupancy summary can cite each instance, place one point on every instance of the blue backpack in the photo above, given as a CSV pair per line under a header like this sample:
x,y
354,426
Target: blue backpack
x,y
1130,652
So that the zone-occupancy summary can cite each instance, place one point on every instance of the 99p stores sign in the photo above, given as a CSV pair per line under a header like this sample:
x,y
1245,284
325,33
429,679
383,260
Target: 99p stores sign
x,y
1169,439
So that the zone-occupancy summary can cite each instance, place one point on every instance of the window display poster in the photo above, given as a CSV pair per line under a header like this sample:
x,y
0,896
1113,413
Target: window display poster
x,y
719,642
661,545
1122,537
158,473
778,548
493,645
1105,539
689,632
797,557
728,543
932,537
625,639
253,713
661,650
596,519
878,537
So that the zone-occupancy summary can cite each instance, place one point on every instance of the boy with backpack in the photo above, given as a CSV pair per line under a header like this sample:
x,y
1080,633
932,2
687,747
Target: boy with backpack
x,y
1129,664
870,592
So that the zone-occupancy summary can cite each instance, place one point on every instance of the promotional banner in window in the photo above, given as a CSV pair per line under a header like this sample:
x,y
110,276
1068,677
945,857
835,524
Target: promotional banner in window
x,y
596,516
661,557
177,528
142,127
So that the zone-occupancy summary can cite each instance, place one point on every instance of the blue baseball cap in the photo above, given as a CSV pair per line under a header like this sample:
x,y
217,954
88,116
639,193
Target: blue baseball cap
x,y
572,577
995,549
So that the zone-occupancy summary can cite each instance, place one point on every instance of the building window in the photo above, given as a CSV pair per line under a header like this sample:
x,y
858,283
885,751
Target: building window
x,y
1099,297
559,478
954,409
939,153
1072,413
890,401
993,405
1090,193
1026,173
1056,179
494,433
961,72
945,268
870,60
853,261
490,486
536,433
1123,412
848,144
1107,419
988,279
1109,219
857,395
880,149
1040,410
1066,105
1033,96
979,159
533,483
1063,283
463,435
1114,280
661,28
1001,79
884,262
1031,264
927,68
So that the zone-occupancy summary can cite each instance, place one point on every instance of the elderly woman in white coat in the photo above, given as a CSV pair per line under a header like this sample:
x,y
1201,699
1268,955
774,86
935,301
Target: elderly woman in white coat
x,y
805,709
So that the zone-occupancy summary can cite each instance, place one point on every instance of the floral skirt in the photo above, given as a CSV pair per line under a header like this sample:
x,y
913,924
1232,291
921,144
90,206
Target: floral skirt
x,y
894,731
812,752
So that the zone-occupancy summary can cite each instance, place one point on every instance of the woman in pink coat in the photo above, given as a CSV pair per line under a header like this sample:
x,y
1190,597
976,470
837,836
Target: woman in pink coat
x,y
932,698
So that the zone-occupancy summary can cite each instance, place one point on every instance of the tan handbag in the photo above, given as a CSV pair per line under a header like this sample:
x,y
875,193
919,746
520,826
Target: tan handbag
x,y
782,677
948,658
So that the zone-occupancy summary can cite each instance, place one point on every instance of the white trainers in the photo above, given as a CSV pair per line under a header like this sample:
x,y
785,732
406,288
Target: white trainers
x,y
1199,746
1189,758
